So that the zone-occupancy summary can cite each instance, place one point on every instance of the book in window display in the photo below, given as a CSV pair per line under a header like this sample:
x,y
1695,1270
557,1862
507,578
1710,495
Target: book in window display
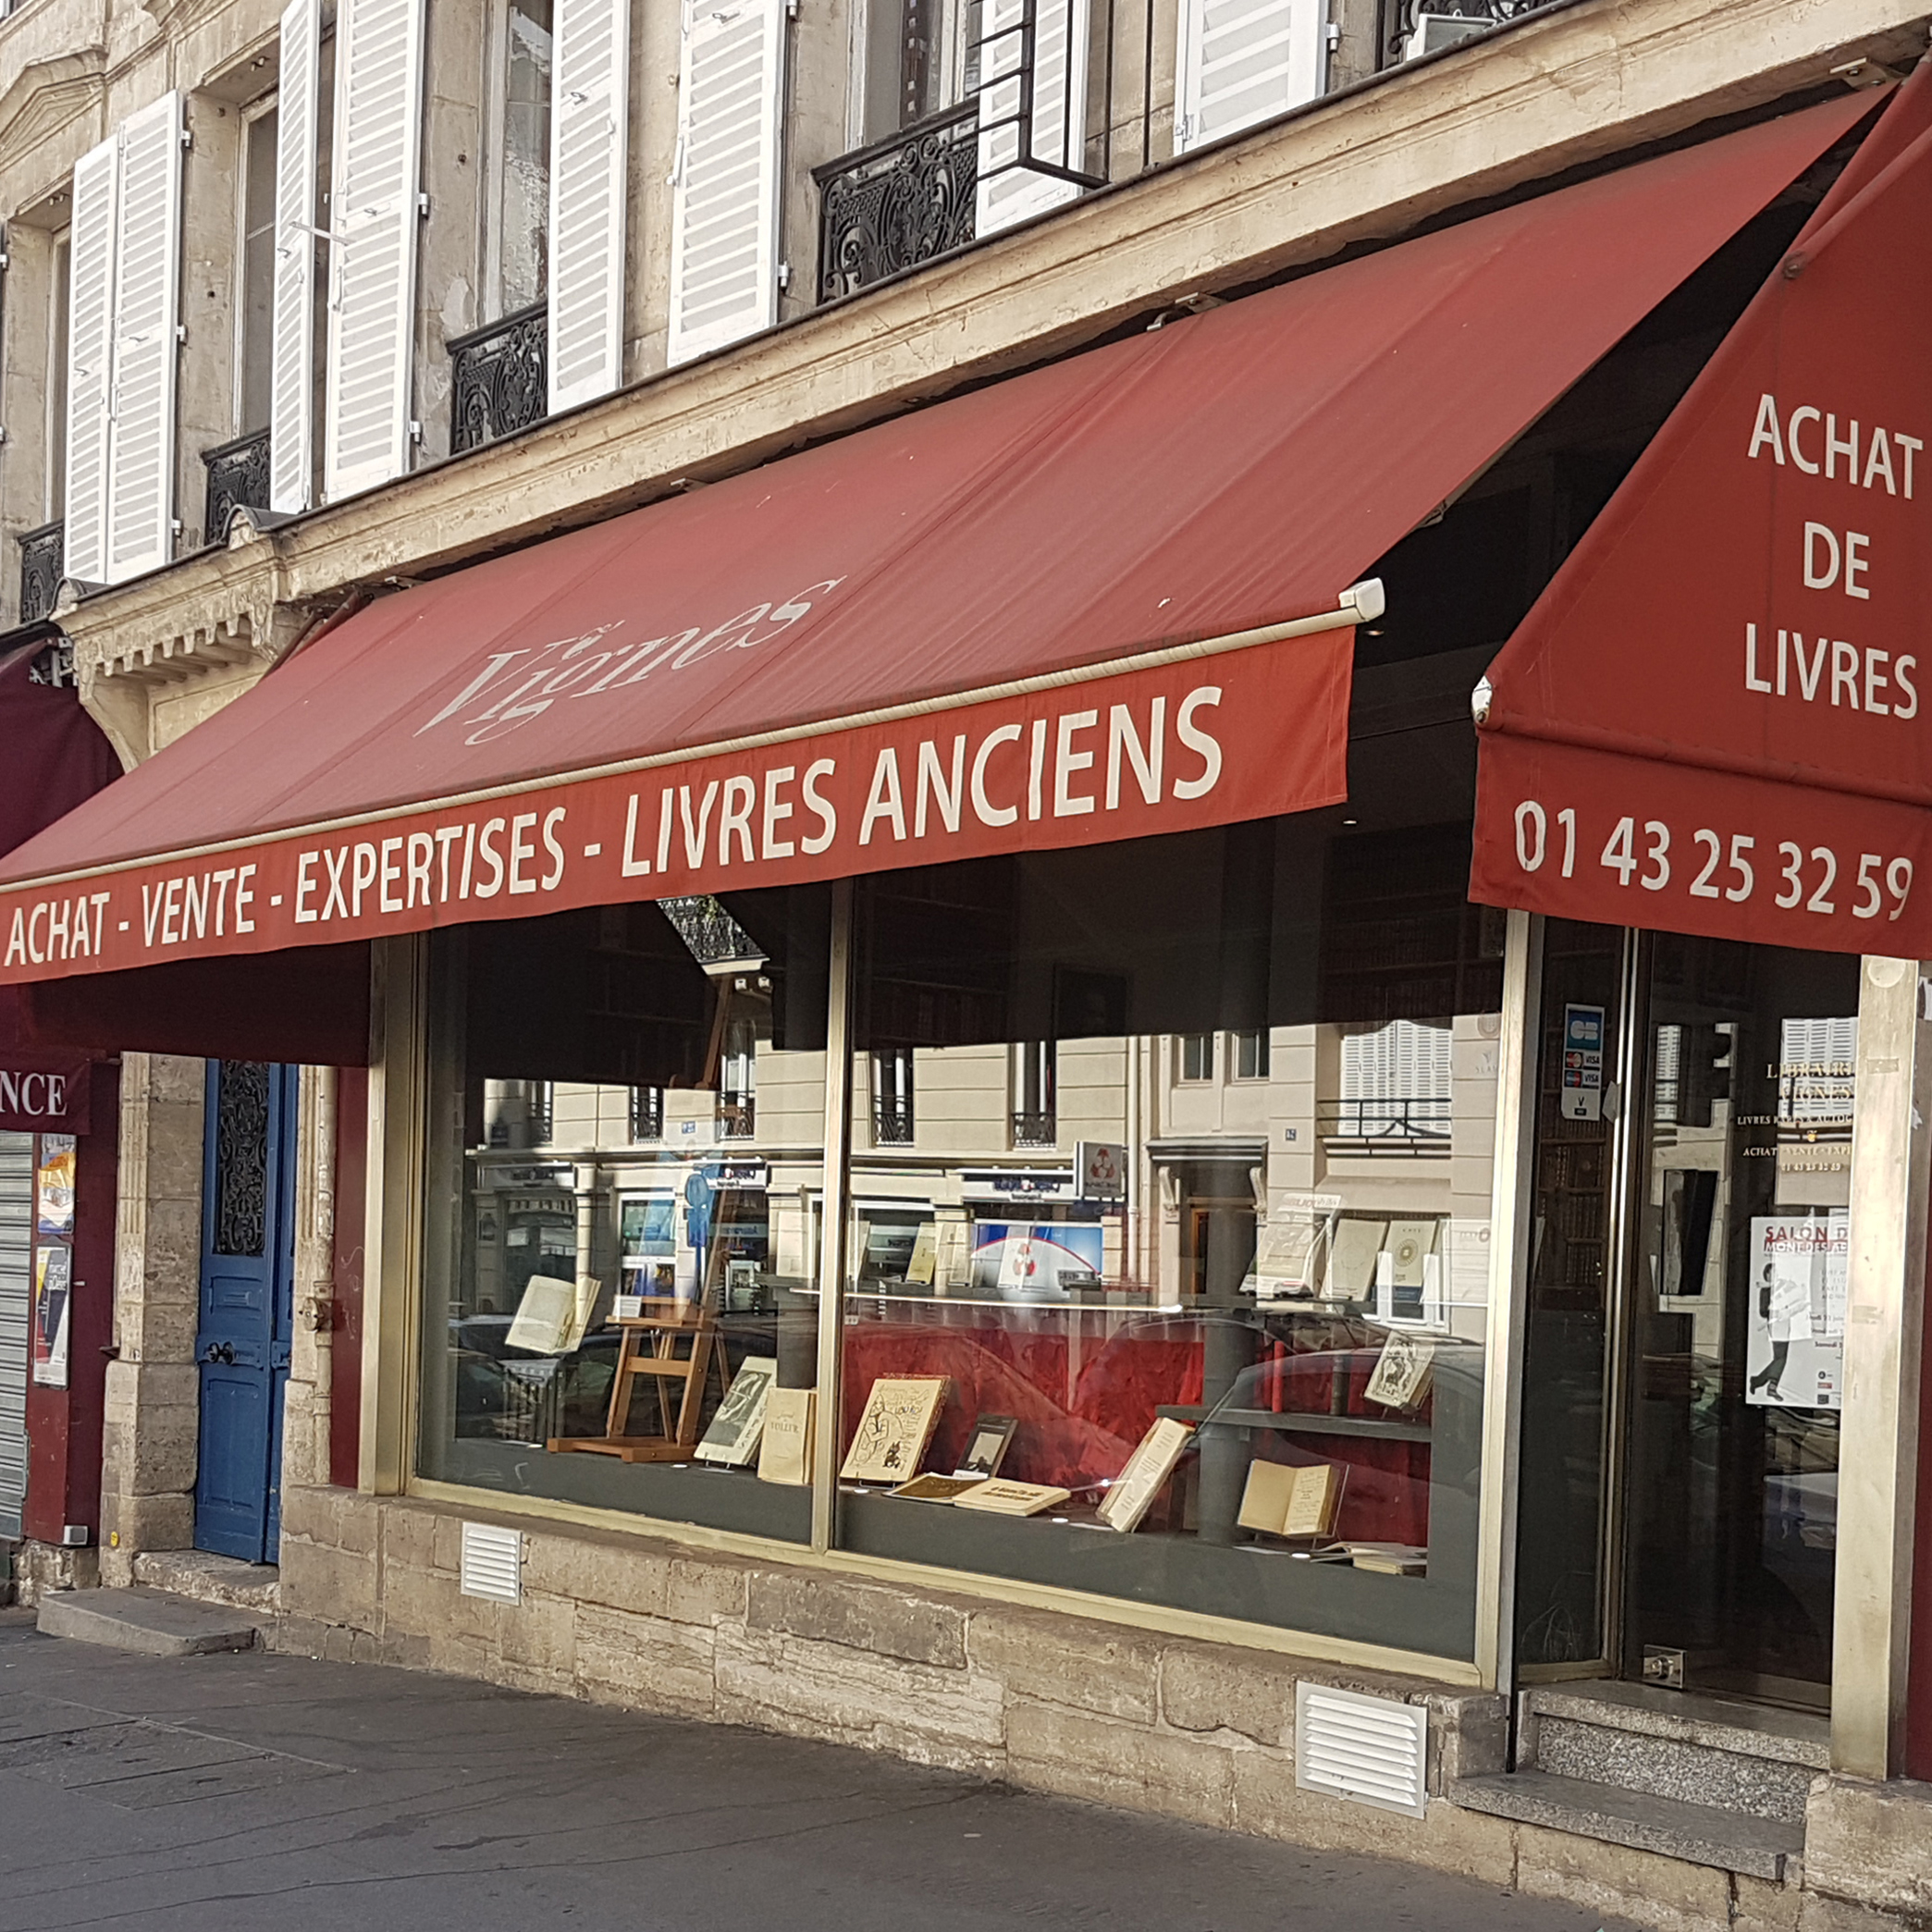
x,y
1291,1500
553,1314
894,1427
986,1449
1001,1497
733,1438
1352,1259
1291,1248
785,1446
1402,1370
937,1489
1132,1492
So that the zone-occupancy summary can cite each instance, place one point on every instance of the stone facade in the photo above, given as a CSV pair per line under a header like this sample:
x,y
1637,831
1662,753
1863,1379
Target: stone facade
x,y
1044,1700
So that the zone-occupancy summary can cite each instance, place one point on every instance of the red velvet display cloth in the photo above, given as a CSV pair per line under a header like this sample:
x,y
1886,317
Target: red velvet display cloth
x,y
1078,1426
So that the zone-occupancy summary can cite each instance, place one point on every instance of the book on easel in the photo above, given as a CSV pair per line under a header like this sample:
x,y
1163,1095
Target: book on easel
x,y
894,1427
733,1438
1291,1498
1132,1492
1402,1370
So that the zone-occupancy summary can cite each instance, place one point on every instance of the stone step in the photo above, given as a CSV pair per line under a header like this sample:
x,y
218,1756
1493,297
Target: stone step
x,y
1705,1751
1770,1848
151,1621
212,1579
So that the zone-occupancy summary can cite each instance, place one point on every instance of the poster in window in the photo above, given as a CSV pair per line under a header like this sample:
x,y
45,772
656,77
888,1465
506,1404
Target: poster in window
x,y
54,1186
52,1283
1037,1262
1795,1343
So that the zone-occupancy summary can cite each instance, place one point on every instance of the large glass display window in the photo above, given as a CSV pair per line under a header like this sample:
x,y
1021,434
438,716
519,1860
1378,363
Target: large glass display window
x,y
626,1188
1172,1175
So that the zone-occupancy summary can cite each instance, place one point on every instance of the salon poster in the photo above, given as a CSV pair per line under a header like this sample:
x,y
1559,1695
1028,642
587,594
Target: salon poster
x,y
52,1281
1795,1337
54,1186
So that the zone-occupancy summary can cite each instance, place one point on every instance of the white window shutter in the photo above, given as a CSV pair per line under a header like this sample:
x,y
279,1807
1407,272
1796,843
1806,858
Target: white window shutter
x,y
373,242
1013,143
724,220
90,359
1241,62
589,108
292,390
147,306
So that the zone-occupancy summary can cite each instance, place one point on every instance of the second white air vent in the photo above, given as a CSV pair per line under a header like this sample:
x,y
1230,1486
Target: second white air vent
x,y
1370,1749
492,1563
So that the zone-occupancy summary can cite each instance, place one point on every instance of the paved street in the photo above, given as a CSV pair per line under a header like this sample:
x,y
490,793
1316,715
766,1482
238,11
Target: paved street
x,y
255,1792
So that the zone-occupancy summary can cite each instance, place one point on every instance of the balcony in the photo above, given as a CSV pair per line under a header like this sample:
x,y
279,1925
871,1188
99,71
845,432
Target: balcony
x,y
713,937
901,202
738,1114
1035,1129
1421,1124
499,378
891,1120
646,1113
1412,28
43,564
237,479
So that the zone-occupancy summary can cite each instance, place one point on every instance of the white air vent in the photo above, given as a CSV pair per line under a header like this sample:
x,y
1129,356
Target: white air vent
x,y
493,1563
1370,1749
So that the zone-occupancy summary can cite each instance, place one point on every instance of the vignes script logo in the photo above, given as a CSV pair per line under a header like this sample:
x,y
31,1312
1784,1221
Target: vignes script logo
x,y
514,686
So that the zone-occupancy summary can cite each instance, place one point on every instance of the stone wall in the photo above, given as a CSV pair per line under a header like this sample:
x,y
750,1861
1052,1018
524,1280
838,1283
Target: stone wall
x,y
1054,1702
149,1437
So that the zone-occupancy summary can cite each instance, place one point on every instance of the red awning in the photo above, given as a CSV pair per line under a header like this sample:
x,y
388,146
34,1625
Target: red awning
x,y
944,636
1715,720
55,755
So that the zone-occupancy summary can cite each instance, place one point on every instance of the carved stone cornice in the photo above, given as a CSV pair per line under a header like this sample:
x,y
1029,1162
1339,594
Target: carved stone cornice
x,y
48,96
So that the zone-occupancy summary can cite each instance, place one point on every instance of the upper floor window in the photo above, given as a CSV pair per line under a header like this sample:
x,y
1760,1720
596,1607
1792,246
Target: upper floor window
x,y
1251,1055
1197,1056
892,1097
1036,1103
57,292
256,308
520,234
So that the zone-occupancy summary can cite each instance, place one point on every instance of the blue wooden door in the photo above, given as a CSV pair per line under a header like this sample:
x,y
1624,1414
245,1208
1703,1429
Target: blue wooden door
x,y
247,1292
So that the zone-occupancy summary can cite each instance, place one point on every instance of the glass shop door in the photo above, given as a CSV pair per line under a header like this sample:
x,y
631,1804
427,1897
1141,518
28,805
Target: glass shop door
x,y
1736,1306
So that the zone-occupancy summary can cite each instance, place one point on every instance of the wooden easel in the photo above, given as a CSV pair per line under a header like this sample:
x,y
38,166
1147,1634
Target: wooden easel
x,y
650,1351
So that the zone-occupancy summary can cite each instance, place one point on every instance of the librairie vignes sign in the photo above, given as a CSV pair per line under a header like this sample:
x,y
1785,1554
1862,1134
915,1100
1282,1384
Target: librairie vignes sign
x,y
1168,746
1716,720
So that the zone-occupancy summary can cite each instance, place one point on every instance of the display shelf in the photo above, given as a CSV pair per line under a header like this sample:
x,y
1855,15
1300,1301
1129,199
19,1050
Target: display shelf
x,y
1299,1422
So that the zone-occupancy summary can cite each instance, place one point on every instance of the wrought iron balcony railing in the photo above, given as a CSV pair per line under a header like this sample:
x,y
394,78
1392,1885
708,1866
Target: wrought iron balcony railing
x,y
43,564
737,1116
238,478
891,1120
1411,28
1417,1126
1035,1129
646,1113
900,202
715,939
500,377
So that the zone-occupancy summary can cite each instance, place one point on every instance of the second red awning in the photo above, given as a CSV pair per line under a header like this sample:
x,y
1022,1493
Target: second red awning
x,y
1715,720
924,642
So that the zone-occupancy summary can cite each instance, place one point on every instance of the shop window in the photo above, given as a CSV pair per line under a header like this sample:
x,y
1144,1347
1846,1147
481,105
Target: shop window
x,y
1251,1054
587,1224
1212,1346
1035,1120
891,1097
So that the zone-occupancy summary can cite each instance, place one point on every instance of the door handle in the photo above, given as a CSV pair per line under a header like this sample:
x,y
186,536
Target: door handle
x,y
223,1352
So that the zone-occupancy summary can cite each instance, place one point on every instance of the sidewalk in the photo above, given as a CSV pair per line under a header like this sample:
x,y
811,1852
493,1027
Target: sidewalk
x,y
254,1791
